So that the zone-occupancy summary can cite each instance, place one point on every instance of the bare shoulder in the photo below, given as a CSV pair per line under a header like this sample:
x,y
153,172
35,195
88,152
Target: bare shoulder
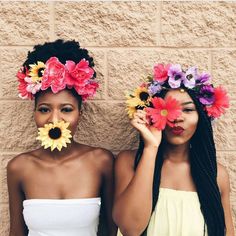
x,y
101,154
19,164
125,159
102,157
222,178
124,170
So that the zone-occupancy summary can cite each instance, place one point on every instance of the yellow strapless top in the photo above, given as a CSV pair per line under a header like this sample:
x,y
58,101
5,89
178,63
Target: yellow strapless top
x,y
177,213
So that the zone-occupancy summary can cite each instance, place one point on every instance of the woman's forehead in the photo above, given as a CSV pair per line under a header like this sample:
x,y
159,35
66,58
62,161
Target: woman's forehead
x,y
180,95
60,97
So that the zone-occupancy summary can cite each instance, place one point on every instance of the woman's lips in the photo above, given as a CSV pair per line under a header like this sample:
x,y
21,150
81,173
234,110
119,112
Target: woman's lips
x,y
177,130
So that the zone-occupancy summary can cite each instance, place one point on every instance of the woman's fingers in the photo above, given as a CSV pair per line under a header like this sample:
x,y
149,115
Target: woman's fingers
x,y
140,114
151,136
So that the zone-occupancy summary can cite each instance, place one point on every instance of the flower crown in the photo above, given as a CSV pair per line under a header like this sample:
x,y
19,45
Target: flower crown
x,y
171,76
53,74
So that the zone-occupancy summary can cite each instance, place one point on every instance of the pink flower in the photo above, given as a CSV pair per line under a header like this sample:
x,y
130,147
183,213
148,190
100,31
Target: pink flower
x,y
22,87
87,90
163,112
32,87
21,74
220,103
78,74
161,72
54,75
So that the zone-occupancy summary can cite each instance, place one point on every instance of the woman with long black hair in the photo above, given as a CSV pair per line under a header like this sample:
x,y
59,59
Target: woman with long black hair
x,y
172,185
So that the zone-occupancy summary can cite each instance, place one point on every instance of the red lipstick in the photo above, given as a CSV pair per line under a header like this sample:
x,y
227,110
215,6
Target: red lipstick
x,y
178,130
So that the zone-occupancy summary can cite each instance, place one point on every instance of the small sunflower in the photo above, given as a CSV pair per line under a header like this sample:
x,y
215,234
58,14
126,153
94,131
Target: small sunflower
x,y
54,135
139,99
36,71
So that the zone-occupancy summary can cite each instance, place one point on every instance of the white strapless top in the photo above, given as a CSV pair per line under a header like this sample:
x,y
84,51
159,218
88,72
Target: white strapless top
x,y
62,217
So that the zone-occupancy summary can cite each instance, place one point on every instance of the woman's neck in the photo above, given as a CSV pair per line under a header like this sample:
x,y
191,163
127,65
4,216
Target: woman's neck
x,y
63,154
176,153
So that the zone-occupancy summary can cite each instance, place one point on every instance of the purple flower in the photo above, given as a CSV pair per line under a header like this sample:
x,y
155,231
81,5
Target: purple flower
x,y
154,88
190,77
175,76
204,78
206,95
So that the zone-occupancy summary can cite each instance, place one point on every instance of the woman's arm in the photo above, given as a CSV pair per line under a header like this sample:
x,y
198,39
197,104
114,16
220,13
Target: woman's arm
x,y
108,227
224,185
16,197
133,195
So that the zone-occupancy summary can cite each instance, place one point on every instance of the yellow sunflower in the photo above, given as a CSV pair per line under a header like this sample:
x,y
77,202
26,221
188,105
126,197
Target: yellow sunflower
x,y
131,111
36,71
54,135
140,98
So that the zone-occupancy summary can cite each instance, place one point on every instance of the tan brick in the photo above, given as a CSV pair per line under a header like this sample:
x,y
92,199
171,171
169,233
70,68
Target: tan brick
x,y
24,23
198,24
99,61
18,130
4,159
106,125
224,70
4,220
226,158
107,23
10,62
4,191
225,129
127,68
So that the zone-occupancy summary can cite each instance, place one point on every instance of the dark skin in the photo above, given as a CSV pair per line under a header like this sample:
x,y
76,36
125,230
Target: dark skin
x,y
78,171
135,187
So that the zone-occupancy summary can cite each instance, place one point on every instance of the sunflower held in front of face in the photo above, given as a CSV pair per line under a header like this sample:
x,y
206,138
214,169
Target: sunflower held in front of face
x,y
54,135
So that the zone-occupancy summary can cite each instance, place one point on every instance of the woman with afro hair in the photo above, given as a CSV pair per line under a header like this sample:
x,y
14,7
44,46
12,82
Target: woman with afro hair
x,y
63,188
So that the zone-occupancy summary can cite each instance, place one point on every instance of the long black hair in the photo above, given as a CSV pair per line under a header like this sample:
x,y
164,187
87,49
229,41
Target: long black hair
x,y
203,167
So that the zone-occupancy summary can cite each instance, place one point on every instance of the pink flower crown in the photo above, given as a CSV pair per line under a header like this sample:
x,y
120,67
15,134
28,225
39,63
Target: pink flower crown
x,y
171,76
53,74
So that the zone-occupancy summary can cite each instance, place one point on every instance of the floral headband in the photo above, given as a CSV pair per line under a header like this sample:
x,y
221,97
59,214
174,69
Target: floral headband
x,y
53,74
171,76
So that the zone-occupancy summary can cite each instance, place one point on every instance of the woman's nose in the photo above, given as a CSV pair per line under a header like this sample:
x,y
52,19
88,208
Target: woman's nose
x,y
54,117
179,119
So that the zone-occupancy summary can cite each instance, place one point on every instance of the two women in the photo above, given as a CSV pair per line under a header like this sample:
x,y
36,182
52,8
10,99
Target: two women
x,y
171,185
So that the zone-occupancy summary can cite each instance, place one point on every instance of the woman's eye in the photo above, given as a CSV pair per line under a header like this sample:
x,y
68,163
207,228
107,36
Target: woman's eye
x,y
66,109
188,110
43,109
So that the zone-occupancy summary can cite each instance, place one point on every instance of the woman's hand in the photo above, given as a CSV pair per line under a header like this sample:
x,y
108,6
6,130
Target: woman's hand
x,y
151,136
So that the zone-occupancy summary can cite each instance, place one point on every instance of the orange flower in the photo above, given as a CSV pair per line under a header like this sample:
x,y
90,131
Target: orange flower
x,y
163,112
221,102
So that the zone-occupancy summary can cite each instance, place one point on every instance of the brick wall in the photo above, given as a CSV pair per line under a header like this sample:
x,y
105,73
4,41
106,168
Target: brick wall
x,y
126,38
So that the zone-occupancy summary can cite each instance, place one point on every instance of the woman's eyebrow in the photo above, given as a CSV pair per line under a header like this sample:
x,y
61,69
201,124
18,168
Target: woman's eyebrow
x,y
44,103
186,103
67,103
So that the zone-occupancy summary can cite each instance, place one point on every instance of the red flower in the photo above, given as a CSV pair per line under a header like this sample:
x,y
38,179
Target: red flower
x,y
163,112
78,74
22,87
87,90
161,72
220,103
54,75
